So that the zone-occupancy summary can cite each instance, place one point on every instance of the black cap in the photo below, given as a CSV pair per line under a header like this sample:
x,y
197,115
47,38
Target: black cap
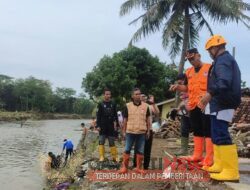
x,y
193,50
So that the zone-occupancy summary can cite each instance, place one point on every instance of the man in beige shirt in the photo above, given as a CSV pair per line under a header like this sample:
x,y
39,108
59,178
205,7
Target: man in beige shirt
x,y
136,129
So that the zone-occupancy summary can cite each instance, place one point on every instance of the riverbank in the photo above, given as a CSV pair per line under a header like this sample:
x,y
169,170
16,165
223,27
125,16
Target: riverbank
x,y
23,116
88,162
73,174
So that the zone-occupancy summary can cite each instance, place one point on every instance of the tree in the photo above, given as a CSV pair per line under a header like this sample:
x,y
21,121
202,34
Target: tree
x,y
64,99
182,20
243,84
83,106
7,99
33,94
131,67
65,92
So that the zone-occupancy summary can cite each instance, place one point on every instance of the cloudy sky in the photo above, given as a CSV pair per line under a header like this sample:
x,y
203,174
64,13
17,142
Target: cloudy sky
x,y
61,40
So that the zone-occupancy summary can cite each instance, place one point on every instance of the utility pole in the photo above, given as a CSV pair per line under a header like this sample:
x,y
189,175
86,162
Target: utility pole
x,y
234,52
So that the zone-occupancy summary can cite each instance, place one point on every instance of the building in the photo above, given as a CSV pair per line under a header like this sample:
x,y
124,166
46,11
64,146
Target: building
x,y
165,107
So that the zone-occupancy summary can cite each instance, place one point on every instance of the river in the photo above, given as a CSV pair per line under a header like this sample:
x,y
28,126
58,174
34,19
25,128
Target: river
x,y
21,147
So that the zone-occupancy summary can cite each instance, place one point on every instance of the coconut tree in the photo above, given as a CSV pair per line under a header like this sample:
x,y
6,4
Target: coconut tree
x,y
182,20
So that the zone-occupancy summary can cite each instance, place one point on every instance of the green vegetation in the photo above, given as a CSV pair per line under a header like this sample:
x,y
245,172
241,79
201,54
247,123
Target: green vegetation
x,y
67,173
181,21
129,68
36,95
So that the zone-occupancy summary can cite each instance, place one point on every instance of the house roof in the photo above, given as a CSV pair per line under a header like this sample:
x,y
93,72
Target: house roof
x,y
166,102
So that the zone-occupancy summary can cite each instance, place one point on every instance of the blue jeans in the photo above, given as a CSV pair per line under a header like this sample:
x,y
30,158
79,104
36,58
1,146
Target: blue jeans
x,y
138,139
219,131
111,140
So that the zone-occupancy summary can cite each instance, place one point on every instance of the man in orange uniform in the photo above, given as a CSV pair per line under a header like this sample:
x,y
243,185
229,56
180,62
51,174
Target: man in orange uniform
x,y
196,86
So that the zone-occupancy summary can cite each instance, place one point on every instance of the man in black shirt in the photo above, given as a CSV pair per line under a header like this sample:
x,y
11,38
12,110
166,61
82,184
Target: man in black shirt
x,y
107,125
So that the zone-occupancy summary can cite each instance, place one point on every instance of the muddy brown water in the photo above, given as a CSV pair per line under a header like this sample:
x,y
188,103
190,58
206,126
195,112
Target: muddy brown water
x,y
20,149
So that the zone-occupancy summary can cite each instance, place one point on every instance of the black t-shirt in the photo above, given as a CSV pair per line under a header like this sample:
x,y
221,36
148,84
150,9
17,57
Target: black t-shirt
x,y
106,116
196,70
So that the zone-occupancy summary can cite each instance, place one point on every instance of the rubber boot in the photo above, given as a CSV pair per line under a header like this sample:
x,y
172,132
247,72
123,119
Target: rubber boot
x,y
217,166
101,153
139,168
208,160
124,168
229,160
198,150
184,147
114,154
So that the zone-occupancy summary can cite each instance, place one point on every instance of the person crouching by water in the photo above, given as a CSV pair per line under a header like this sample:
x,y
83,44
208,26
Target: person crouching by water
x,y
68,145
136,129
52,162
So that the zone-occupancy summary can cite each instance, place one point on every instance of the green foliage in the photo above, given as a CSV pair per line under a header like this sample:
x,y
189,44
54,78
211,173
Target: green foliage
x,y
129,68
32,94
83,106
181,21
243,84
65,92
7,99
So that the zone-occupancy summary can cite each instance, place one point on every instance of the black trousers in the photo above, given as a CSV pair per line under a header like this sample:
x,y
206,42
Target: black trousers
x,y
68,152
185,126
200,123
147,151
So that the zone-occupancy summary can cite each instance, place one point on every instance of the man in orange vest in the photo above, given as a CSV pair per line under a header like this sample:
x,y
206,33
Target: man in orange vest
x,y
136,129
196,86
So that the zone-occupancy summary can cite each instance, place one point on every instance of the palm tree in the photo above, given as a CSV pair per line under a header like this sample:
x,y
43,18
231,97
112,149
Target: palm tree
x,y
182,20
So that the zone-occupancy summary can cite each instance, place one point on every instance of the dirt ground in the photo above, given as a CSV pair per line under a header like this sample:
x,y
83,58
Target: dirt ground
x,y
170,145
159,147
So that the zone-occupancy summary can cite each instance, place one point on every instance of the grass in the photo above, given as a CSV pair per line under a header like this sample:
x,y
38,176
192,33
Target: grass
x,y
22,116
14,116
67,173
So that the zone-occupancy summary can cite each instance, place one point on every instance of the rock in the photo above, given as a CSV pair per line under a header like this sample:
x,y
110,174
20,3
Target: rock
x,y
238,186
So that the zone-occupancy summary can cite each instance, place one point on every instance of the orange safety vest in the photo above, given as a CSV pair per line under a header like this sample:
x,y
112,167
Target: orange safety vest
x,y
197,84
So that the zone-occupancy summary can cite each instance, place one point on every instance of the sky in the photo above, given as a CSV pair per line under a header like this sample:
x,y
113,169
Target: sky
x,y
62,40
